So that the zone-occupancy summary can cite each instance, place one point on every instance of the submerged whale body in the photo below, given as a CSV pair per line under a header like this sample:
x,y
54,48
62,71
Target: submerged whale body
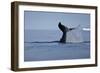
x,y
67,36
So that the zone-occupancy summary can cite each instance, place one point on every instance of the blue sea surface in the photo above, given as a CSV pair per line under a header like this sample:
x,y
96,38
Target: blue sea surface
x,y
39,46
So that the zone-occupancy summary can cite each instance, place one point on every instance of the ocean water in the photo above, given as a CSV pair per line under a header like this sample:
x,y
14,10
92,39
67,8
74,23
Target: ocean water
x,y
41,45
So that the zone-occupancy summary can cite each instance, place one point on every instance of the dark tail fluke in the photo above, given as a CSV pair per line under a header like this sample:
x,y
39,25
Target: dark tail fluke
x,y
63,29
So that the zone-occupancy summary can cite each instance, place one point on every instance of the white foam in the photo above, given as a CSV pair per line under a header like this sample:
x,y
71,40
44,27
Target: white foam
x,y
74,36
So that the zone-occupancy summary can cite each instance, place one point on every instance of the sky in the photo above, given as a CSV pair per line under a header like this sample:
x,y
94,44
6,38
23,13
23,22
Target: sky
x,y
36,20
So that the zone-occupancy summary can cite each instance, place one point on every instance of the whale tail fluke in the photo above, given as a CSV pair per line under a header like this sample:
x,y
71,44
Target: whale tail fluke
x,y
64,29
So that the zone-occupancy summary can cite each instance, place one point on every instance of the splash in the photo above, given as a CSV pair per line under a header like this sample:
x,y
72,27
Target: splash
x,y
74,36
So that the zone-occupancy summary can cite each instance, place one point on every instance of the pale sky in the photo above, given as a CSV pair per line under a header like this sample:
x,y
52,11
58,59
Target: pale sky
x,y
35,20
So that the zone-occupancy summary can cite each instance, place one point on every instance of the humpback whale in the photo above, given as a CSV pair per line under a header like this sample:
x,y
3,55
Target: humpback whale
x,y
63,39
64,30
74,36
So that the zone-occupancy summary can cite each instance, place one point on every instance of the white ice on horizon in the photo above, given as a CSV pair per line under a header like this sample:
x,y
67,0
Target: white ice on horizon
x,y
86,29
